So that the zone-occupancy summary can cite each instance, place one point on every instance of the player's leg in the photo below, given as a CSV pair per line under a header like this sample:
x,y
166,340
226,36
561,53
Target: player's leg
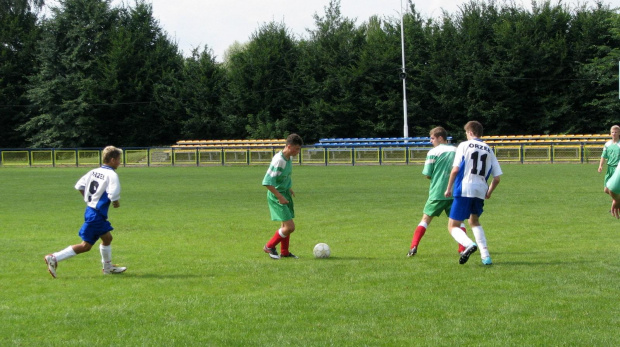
x,y
461,247
448,208
458,213
88,237
287,229
105,248
478,231
284,214
420,230
454,227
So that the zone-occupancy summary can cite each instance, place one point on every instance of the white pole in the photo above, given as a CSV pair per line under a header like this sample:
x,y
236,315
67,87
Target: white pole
x,y
403,74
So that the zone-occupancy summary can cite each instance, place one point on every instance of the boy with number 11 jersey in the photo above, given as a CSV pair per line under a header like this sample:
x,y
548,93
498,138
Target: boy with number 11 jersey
x,y
474,163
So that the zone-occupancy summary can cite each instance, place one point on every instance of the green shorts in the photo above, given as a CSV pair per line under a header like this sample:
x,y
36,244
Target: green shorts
x,y
609,173
278,211
613,183
434,208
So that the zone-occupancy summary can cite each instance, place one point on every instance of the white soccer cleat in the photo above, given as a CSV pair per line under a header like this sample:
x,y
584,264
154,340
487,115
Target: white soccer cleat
x,y
113,269
52,264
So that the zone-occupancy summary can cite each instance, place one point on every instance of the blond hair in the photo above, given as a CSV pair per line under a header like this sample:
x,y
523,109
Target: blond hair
x,y
615,127
109,153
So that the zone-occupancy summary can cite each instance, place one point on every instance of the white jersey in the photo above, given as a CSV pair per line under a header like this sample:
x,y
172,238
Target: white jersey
x,y
476,162
101,186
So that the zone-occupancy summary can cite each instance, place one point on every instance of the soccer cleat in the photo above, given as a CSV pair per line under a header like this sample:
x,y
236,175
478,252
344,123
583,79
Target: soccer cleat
x,y
289,255
113,269
52,264
467,252
273,254
487,261
412,251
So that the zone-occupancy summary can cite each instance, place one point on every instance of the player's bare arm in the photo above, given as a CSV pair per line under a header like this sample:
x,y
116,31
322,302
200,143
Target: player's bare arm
x,y
492,187
453,173
292,192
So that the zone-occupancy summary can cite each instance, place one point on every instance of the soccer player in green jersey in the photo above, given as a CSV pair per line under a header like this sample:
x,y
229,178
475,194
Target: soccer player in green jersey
x,y
613,187
611,152
278,182
437,168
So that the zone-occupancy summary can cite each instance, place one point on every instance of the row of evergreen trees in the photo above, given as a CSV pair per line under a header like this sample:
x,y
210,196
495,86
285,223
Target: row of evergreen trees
x,y
91,74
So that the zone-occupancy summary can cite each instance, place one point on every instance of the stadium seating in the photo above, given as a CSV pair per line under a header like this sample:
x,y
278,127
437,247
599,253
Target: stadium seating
x,y
374,142
546,139
346,142
265,143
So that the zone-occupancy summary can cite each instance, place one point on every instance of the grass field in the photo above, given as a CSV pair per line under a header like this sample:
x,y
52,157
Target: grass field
x,y
192,239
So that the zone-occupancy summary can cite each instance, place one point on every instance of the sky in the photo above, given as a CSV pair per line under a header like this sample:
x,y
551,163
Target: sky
x,y
220,23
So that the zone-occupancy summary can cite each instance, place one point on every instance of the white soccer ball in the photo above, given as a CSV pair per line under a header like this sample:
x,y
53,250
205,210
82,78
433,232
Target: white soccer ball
x,y
321,250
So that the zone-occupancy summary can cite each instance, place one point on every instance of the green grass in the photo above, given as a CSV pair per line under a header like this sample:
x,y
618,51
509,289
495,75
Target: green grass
x,y
192,239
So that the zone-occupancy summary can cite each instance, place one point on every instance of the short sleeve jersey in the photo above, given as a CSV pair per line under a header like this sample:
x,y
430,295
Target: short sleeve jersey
x,y
279,173
476,162
438,166
101,186
611,152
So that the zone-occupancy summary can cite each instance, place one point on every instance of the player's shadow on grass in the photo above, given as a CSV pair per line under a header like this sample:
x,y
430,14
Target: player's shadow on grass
x,y
332,258
164,276
530,263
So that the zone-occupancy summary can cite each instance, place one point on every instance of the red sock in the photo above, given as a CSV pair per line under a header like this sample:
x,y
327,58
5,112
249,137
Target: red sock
x,y
284,245
275,240
461,248
417,235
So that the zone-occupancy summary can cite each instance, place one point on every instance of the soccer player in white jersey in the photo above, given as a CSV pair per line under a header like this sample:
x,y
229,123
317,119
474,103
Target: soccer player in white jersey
x,y
100,187
278,182
611,153
474,163
437,168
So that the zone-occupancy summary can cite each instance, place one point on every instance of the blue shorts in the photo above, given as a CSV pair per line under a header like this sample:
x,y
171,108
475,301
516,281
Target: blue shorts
x,y
462,208
95,225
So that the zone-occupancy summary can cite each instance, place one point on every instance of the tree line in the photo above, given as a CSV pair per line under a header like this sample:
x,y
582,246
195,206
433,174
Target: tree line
x,y
89,74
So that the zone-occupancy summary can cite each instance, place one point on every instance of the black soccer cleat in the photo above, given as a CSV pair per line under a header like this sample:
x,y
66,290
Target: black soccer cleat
x,y
467,252
273,254
289,255
412,251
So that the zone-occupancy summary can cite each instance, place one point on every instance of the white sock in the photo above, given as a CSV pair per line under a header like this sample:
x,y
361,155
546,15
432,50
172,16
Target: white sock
x,y
281,233
106,255
481,240
65,254
460,237
423,224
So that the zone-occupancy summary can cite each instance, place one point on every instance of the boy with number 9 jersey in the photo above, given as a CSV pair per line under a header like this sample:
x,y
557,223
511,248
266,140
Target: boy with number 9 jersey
x,y
100,187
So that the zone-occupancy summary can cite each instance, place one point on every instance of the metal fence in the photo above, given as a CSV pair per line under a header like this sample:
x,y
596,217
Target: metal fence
x,y
169,156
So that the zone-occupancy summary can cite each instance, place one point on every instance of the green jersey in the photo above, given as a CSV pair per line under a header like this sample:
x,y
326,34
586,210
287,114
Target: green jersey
x,y
438,166
611,152
279,173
